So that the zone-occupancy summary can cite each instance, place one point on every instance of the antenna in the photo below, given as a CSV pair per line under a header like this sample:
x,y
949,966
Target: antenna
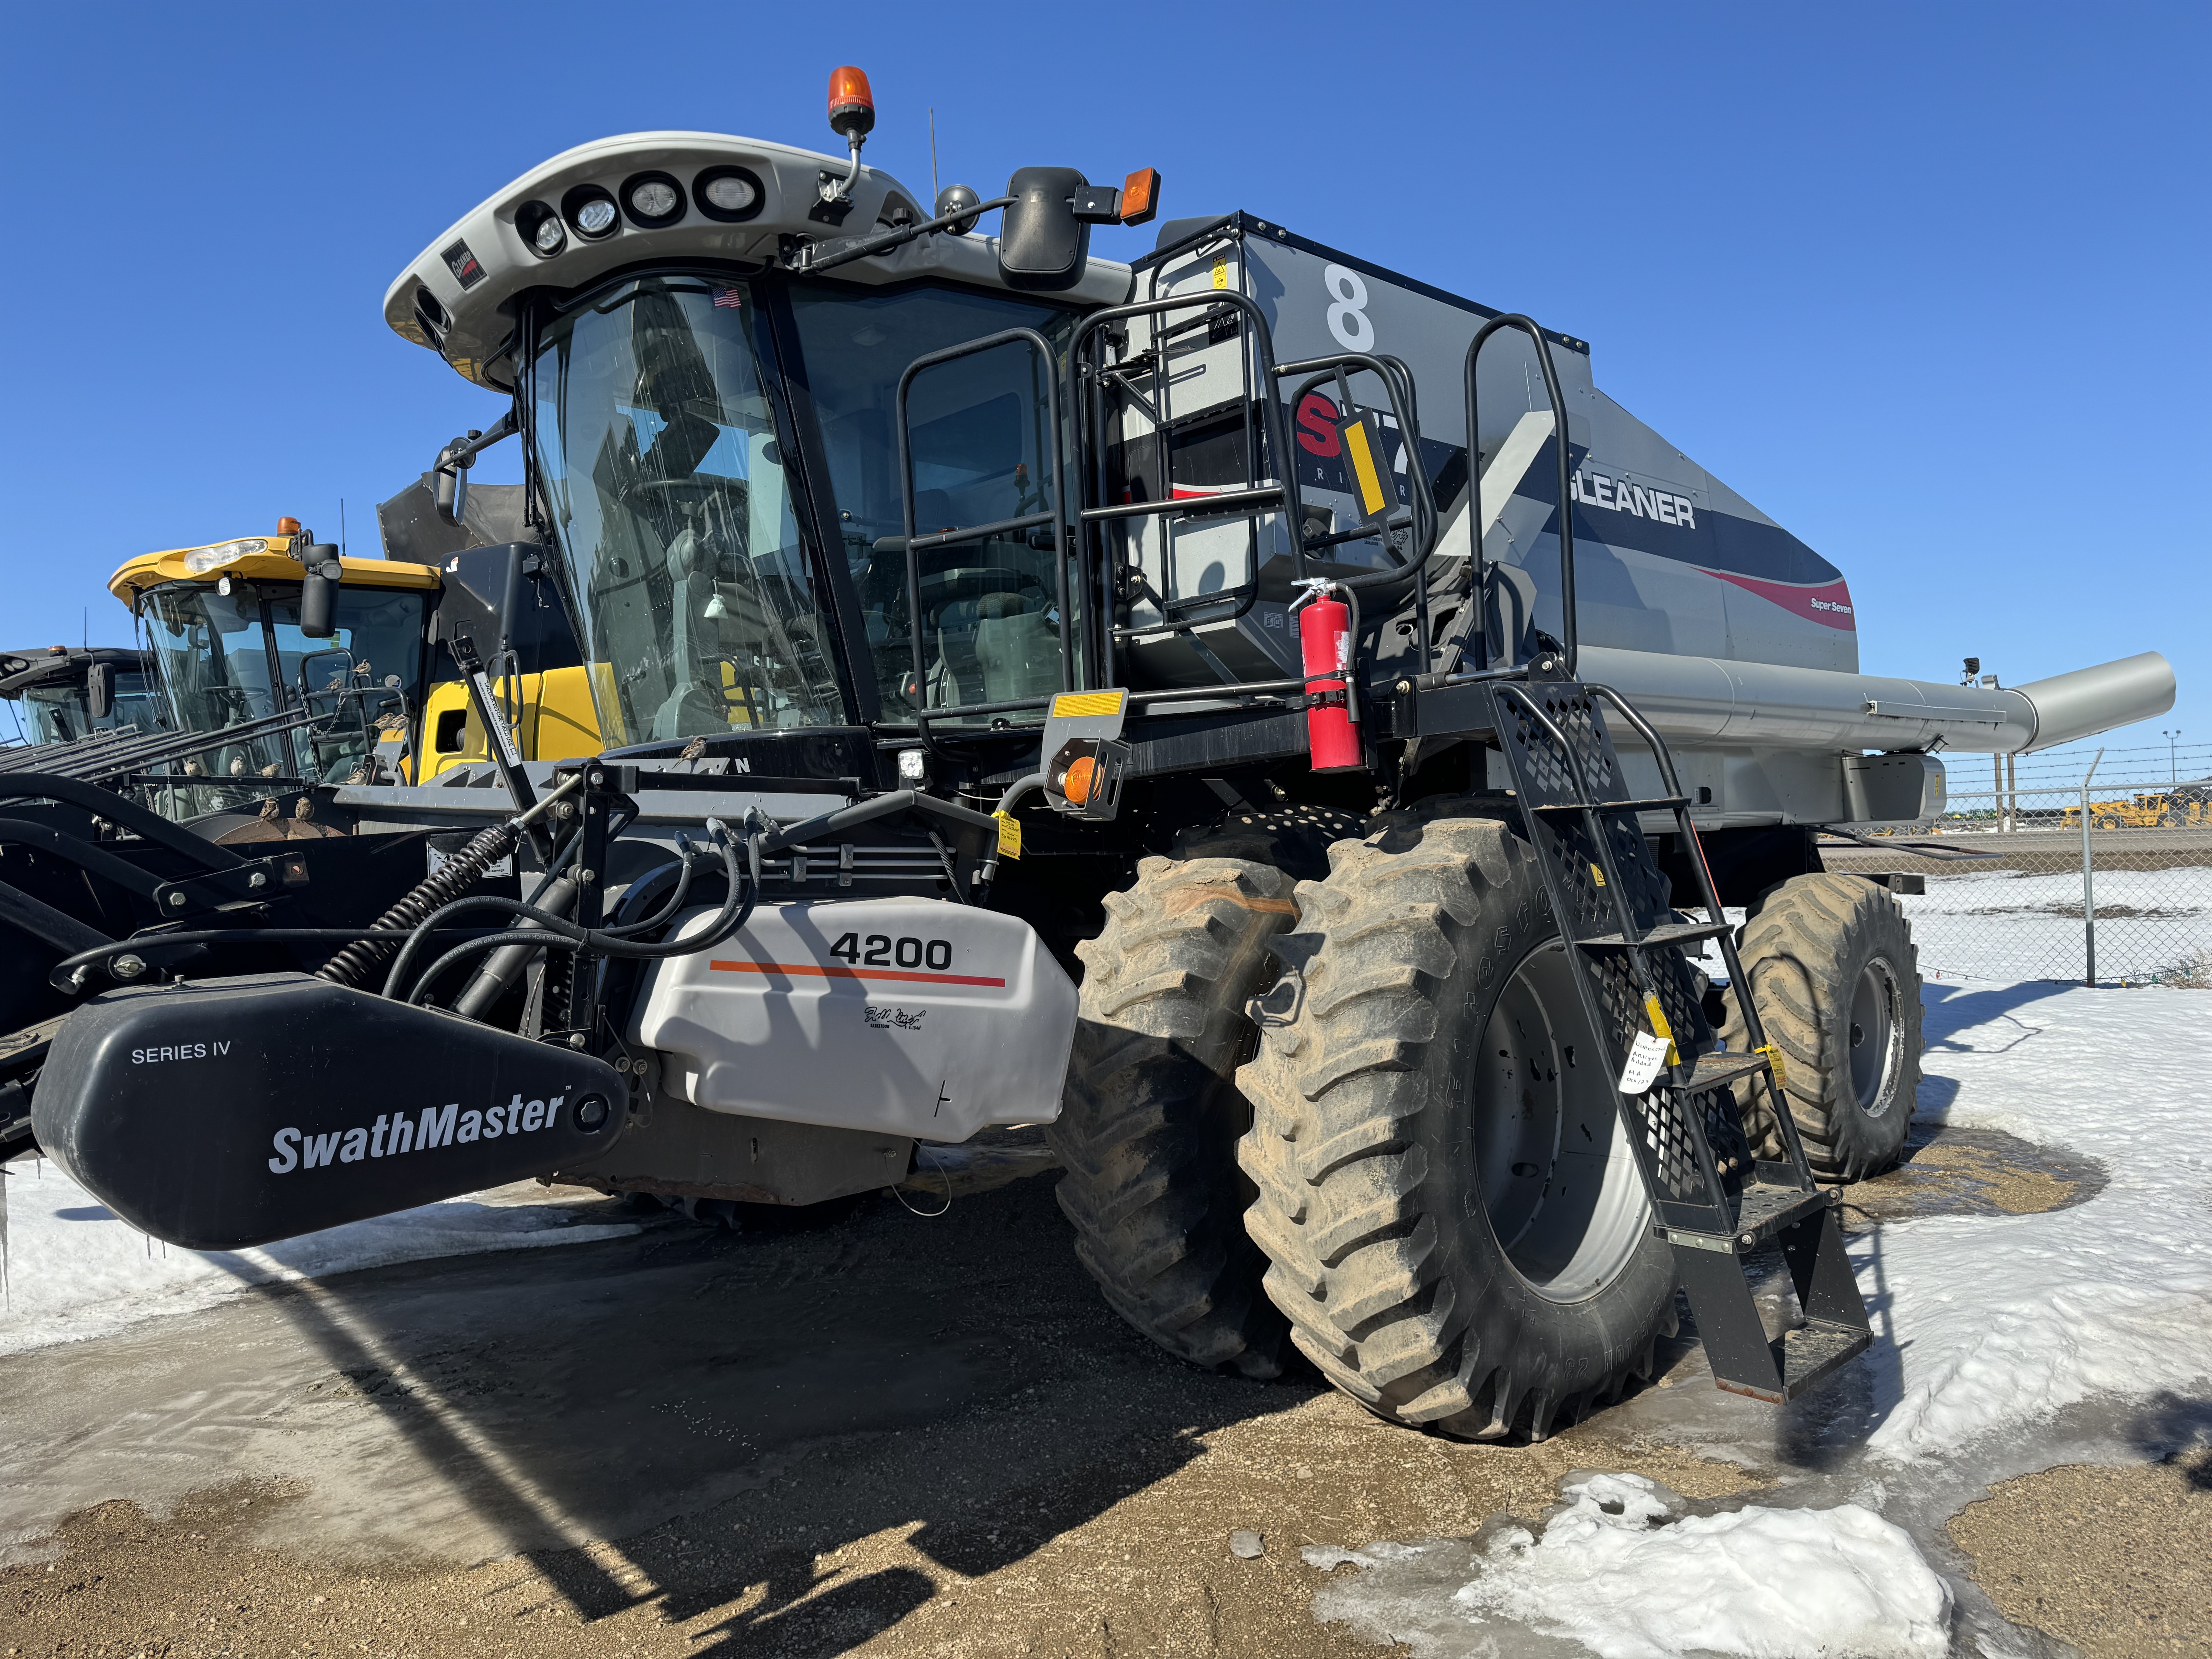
x,y
88,627
342,540
933,153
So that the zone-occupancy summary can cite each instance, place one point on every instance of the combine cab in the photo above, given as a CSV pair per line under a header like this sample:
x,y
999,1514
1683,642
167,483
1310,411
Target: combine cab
x,y
1276,722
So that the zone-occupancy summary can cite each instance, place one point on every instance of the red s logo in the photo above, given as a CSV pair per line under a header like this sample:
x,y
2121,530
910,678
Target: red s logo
x,y
1316,421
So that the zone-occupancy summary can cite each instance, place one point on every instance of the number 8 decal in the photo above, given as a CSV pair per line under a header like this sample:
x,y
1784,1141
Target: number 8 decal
x,y
1347,317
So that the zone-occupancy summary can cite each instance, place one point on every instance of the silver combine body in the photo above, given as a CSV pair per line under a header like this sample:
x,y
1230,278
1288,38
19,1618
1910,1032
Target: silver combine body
x,y
1739,639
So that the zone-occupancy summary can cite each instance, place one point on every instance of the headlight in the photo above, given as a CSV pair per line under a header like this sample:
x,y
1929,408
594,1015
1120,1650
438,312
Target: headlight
x,y
590,211
730,194
542,228
654,199
201,559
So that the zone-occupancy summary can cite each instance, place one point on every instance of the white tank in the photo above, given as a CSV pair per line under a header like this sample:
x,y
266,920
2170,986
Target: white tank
x,y
905,1016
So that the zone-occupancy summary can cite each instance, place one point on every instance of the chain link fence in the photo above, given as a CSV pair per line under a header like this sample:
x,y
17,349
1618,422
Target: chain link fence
x,y
2090,867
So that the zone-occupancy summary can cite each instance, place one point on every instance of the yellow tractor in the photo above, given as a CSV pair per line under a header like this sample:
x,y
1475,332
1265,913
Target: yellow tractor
x,y
303,667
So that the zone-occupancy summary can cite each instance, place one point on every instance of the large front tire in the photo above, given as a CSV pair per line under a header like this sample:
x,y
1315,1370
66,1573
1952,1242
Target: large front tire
x,y
1456,1226
1149,1124
1836,979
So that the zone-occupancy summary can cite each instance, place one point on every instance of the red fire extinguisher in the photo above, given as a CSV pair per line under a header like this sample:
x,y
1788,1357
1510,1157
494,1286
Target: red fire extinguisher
x,y
1324,638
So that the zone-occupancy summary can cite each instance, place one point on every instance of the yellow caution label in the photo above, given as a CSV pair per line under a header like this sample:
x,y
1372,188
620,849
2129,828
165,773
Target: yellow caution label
x,y
1367,468
1597,875
1068,705
1010,835
1659,1029
1221,272
1774,1058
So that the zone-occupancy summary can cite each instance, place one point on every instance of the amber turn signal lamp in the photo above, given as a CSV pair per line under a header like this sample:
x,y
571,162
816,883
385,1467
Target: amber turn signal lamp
x,y
1081,775
1140,196
852,106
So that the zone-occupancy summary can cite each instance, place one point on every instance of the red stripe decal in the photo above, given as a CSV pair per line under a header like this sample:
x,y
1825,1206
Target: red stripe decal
x,y
1828,604
815,971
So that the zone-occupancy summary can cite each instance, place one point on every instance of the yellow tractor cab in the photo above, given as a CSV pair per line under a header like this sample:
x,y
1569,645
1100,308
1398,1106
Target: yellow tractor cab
x,y
370,691
293,660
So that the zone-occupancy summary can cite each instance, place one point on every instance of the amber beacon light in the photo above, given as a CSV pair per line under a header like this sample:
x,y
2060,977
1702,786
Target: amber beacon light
x,y
852,106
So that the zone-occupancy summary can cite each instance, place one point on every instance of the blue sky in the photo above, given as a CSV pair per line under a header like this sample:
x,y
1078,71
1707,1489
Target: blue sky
x,y
1925,282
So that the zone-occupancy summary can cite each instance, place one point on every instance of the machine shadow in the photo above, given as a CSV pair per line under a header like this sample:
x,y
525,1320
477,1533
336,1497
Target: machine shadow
x,y
726,1410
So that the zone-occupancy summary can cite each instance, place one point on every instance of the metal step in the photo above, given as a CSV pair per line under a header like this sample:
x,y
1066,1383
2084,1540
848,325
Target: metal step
x,y
1804,1356
1713,1070
1666,932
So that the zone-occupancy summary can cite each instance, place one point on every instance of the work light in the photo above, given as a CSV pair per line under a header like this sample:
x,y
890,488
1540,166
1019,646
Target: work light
x,y
654,199
201,559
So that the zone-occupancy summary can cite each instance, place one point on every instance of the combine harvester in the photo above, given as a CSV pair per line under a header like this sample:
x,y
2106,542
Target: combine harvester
x,y
1178,702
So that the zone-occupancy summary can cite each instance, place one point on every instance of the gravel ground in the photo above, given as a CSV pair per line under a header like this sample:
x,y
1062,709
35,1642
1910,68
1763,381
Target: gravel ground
x,y
881,1435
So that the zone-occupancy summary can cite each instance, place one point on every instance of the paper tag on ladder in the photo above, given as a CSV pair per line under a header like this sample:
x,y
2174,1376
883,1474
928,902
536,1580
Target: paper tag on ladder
x,y
1645,1056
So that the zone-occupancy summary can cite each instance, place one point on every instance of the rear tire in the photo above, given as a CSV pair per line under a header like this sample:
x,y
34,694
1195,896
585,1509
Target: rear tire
x,y
1456,1226
1149,1125
1837,981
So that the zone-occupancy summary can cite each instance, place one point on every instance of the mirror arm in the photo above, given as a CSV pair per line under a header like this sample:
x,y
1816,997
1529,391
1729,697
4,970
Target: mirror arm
x,y
803,256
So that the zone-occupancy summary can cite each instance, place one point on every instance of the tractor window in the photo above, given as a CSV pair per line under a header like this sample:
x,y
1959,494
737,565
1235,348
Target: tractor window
x,y
659,451
345,680
213,657
981,454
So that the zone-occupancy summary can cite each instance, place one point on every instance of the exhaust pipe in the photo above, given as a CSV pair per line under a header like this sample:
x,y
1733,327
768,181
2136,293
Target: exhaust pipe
x,y
1704,702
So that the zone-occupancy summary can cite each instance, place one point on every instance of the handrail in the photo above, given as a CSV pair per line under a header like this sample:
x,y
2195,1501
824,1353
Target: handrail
x,y
1409,435
1525,326
1056,516
1260,342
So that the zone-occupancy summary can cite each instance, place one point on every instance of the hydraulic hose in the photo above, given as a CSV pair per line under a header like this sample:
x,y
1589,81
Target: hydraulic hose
x,y
505,965
448,881
556,886
559,933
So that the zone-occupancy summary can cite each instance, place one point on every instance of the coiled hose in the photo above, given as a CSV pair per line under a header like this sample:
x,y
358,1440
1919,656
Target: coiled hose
x,y
447,883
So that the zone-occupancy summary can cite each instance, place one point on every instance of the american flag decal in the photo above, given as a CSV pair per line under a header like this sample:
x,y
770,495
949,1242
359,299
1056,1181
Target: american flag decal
x,y
728,299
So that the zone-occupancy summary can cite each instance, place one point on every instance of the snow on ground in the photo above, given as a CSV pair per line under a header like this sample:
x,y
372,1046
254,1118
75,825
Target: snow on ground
x,y
1614,1571
75,1270
2009,924
1993,1322
1987,1328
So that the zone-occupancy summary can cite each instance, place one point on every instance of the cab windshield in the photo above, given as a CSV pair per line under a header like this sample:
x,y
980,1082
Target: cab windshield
x,y
228,659
62,713
658,442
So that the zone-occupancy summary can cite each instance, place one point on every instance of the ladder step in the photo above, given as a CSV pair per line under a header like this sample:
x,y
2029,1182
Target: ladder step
x,y
1767,1207
1713,1070
1763,1209
1807,1354
1657,804
1666,932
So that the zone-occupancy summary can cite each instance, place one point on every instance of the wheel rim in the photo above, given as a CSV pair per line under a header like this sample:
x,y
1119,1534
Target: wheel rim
x,y
1875,1037
1558,1179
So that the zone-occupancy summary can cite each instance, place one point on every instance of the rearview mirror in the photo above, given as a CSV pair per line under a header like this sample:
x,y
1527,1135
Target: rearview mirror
x,y
99,689
1042,245
318,593
451,476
